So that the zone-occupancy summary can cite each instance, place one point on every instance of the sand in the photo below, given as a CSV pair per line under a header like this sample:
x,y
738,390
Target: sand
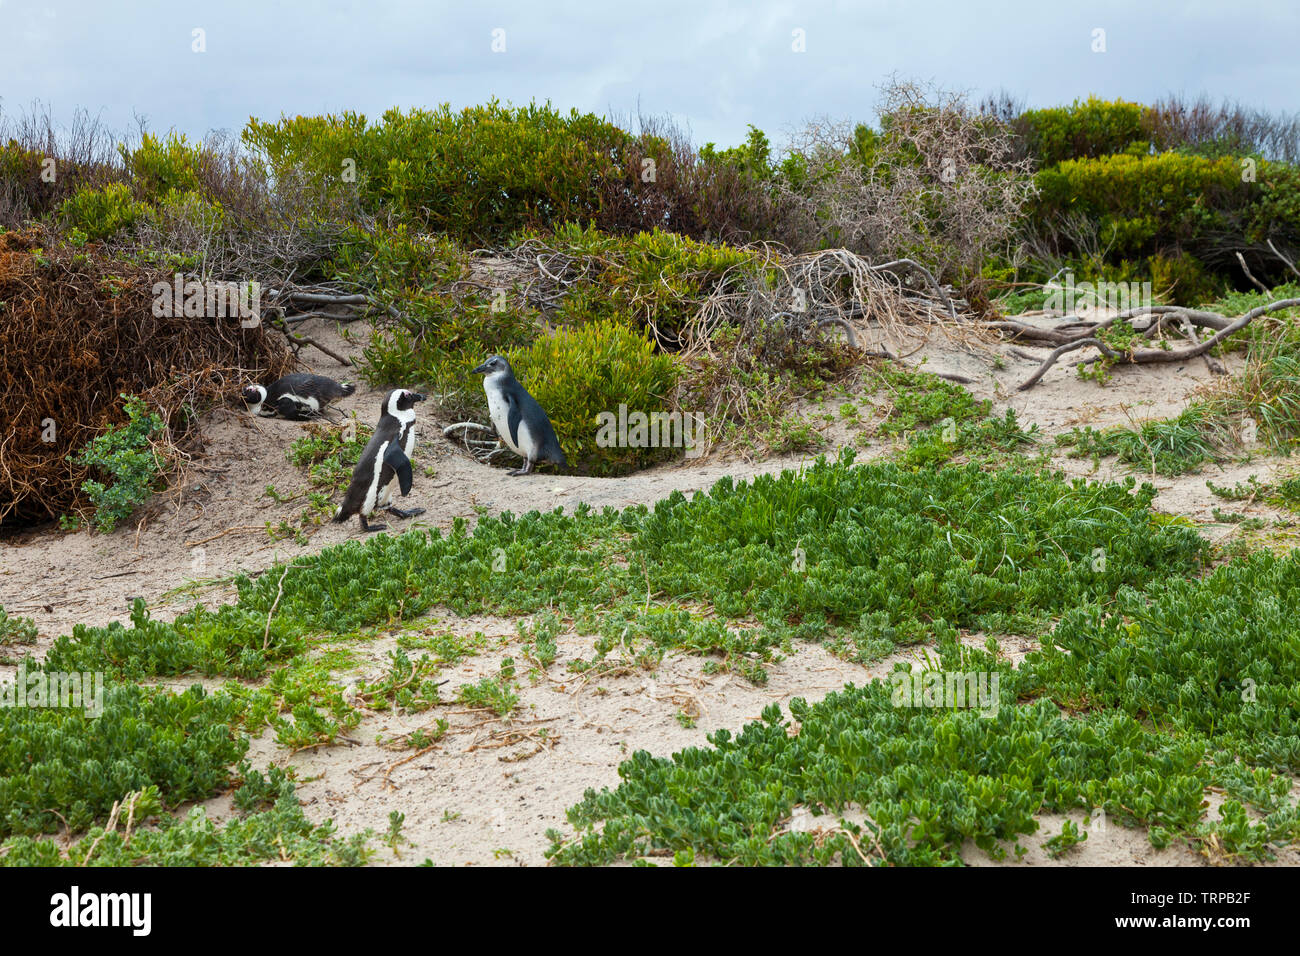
x,y
490,789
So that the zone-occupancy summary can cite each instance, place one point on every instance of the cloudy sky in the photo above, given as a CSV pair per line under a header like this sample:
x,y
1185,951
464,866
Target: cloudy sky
x,y
714,66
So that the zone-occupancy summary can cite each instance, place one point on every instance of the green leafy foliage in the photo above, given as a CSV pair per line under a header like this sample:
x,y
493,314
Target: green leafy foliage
x,y
100,213
1088,128
577,374
478,174
1171,446
988,440
280,834
919,399
656,280
927,781
16,630
328,454
1217,656
159,166
126,456
948,545
408,686
62,758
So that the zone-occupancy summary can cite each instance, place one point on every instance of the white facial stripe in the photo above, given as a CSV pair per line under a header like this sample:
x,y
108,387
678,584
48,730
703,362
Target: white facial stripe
x,y
401,414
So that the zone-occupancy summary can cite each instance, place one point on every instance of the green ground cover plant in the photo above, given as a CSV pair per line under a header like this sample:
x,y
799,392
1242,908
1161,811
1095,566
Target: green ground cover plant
x,y
1168,693
128,461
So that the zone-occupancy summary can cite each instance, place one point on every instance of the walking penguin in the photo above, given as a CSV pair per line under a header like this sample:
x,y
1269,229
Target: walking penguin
x,y
517,417
385,459
296,396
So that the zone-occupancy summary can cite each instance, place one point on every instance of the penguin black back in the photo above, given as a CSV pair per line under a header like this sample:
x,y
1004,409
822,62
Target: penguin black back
x,y
296,396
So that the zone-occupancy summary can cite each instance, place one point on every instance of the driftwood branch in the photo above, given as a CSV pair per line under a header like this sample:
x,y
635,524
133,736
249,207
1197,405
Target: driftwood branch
x,y
341,300
896,265
299,341
1154,356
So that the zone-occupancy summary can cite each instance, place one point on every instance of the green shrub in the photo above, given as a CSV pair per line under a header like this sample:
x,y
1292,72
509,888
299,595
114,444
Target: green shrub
x,y
954,544
1166,446
276,835
919,399
478,174
1145,203
1168,208
1086,129
446,329
189,207
1218,656
60,758
929,780
101,213
16,630
656,280
443,339
1183,280
395,263
577,374
126,456
161,166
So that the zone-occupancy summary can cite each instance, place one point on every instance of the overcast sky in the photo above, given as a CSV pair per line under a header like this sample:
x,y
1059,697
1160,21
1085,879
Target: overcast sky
x,y
714,66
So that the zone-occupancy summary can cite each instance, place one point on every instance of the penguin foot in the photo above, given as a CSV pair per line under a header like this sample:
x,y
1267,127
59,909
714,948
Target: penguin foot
x,y
528,466
367,527
408,513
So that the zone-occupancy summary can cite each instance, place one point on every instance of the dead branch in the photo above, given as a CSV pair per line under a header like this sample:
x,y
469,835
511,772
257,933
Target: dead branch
x,y
1289,263
1246,269
1154,356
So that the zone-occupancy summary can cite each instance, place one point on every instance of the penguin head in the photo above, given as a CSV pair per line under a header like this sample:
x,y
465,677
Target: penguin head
x,y
254,394
493,365
401,400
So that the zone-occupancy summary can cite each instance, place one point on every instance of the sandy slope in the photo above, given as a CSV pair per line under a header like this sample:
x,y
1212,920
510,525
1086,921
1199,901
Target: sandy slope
x,y
469,800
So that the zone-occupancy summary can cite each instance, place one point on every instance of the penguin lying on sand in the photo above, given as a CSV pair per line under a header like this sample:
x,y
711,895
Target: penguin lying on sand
x,y
518,419
296,396
385,459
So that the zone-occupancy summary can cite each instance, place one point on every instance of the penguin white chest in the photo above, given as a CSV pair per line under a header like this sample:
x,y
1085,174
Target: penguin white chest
x,y
499,411
408,449
377,497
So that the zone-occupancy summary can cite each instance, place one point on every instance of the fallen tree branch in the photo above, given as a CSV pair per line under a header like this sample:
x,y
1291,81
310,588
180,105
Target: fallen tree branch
x,y
895,264
301,340
1156,356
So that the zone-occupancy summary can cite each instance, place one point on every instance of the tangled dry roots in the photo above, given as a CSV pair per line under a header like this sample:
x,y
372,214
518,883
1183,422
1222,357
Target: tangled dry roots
x,y
77,330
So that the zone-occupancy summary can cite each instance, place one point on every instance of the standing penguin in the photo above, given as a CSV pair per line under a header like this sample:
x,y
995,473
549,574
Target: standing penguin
x,y
518,419
385,459
296,396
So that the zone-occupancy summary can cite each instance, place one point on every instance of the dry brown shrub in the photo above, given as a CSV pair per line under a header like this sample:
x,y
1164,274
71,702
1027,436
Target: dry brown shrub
x,y
77,330
939,183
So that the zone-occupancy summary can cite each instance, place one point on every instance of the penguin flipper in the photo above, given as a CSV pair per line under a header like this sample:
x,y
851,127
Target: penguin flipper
x,y
514,415
396,459
293,410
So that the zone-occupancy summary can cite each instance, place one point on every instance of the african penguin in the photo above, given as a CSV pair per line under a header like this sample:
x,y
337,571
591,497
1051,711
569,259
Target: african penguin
x,y
296,396
386,459
518,419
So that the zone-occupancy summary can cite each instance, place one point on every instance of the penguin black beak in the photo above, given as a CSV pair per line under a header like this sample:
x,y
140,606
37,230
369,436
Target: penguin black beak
x,y
416,396
481,369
